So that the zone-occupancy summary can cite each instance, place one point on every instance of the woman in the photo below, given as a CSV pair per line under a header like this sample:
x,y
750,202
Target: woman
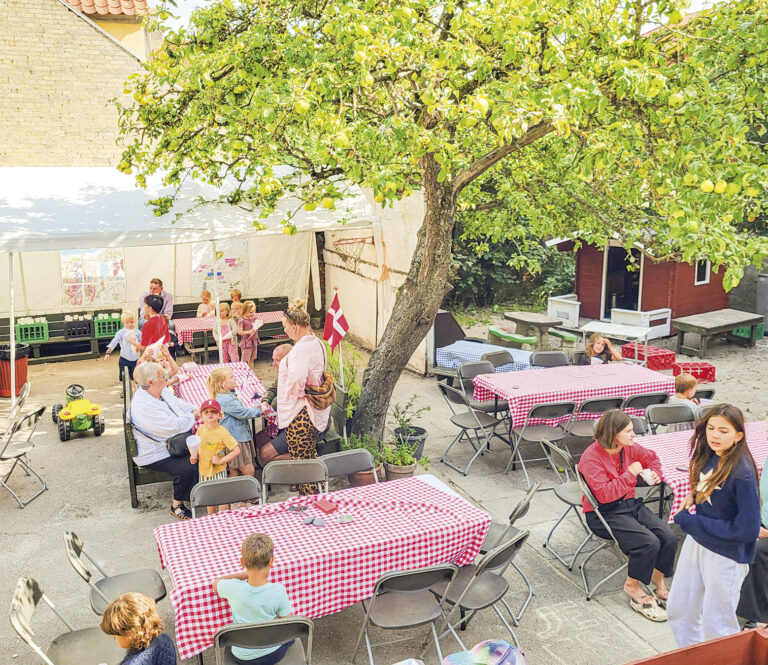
x,y
156,414
610,466
721,536
599,350
304,365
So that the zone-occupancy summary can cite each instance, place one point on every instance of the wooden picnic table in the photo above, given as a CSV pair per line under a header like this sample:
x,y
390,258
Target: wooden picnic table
x,y
539,322
709,324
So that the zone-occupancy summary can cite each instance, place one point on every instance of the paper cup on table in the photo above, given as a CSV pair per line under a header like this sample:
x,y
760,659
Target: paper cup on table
x,y
193,443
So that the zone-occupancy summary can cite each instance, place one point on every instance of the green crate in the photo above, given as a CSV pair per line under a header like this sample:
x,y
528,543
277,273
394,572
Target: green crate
x,y
746,331
107,328
32,332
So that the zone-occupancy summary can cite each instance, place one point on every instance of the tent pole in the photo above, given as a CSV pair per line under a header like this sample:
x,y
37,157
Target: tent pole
x,y
12,323
216,290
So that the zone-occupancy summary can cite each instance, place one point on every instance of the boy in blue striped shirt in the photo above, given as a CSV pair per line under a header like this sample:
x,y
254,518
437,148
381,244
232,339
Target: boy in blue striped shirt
x,y
124,337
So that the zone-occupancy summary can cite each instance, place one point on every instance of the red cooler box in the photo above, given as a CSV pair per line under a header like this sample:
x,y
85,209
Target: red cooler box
x,y
704,372
657,358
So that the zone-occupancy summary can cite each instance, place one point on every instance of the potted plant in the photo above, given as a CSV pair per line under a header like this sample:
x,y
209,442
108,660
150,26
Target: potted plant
x,y
400,460
373,446
406,432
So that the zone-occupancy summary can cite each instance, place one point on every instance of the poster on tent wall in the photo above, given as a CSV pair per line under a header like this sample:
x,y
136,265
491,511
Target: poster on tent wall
x,y
232,267
93,277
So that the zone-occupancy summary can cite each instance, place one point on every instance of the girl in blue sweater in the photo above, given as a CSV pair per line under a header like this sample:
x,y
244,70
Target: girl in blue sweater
x,y
721,536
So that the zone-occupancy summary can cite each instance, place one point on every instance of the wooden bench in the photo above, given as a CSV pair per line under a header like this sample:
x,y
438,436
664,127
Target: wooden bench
x,y
137,475
57,348
711,324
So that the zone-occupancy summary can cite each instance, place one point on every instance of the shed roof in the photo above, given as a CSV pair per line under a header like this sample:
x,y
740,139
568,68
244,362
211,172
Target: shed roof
x,y
101,8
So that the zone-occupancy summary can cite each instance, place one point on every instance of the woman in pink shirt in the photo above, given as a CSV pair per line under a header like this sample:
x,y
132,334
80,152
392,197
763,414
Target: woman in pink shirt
x,y
304,364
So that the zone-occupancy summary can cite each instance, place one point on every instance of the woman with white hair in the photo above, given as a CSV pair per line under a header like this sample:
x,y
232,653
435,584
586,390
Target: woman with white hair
x,y
156,414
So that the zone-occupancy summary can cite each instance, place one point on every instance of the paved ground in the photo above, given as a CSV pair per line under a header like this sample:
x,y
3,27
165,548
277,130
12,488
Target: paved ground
x,y
89,494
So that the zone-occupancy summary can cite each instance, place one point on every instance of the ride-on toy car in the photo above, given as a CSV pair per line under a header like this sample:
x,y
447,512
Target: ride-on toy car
x,y
78,415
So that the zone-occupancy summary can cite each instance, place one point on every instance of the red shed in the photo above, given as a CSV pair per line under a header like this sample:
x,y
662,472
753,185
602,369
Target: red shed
x,y
603,282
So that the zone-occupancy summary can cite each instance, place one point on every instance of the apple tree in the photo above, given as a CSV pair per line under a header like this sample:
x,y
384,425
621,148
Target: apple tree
x,y
576,117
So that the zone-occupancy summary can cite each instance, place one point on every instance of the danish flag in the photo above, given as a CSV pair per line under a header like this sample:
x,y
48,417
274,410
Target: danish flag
x,y
336,325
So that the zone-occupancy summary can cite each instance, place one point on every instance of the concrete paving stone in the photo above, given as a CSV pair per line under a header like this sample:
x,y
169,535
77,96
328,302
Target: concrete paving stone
x,y
618,605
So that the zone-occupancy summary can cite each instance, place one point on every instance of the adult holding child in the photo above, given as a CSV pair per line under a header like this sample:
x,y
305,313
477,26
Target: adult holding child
x,y
156,415
610,467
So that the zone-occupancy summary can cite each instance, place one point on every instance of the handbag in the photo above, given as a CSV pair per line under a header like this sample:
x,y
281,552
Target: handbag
x,y
322,396
176,445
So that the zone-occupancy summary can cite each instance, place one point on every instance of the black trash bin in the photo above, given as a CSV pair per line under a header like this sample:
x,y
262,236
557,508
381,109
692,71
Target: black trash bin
x,y
22,360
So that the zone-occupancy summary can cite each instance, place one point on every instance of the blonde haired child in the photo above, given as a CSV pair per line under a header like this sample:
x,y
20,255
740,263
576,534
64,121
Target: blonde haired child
x,y
237,311
123,337
228,335
221,387
685,389
235,295
206,308
248,331
133,621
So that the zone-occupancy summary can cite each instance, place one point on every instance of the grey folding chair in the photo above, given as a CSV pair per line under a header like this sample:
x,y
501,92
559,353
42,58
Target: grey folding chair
x,y
264,634
293,472
704,393
349,461
75,647
549,359
642,401
498,358
569,492
467,372
224,491
535,433
20,399
610,543
584,428
402,600
15,448
638,425
576,357
105,590
481,585
669,414
499,533
477,427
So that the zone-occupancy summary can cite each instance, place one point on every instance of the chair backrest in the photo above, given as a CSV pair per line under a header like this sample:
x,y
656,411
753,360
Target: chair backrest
x,y
468,371
549,359
29,422
704,393
644,400
668,414
638,425
498,358
293,472
576,357
447,330
263,634
24,393
74,548
522,506
502,555
226,490
559,458
592,501
348,461
601,404
412,581
453,396
552,410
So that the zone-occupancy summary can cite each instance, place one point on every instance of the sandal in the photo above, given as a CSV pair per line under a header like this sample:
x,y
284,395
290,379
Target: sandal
x,y
181,512
650,610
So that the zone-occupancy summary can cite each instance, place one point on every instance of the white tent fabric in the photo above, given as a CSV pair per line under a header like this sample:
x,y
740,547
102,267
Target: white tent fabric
x,y
53,208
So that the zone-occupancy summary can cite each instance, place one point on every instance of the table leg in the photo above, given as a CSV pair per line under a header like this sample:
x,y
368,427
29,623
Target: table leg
x,y
661,499
703,346
753,336
680,340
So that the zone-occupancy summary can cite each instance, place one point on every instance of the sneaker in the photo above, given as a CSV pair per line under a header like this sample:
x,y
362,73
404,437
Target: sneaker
x,y
181,512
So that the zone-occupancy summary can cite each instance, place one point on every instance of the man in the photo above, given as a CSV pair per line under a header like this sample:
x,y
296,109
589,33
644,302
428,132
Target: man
x,y
156,289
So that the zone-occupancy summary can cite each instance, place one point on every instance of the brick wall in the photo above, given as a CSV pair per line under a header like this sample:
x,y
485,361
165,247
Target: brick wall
x,y
57,75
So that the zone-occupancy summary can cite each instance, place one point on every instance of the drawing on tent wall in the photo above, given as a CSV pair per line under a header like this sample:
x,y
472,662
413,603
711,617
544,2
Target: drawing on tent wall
x,y
92,277
232,267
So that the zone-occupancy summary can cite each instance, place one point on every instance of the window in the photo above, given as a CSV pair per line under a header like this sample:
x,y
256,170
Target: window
x,y
702,272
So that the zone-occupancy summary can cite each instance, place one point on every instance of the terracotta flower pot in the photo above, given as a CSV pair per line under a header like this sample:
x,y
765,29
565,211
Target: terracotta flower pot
x,y
397,472
361,478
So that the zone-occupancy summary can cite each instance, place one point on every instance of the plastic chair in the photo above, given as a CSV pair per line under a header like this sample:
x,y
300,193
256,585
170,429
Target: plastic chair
x,y
642,401
471,423
549,359
264,634
349,461
576,357
498,358
402,600
224,491
74,647
481,585
293,472
584,428
105,590
16,446
668,414
467,372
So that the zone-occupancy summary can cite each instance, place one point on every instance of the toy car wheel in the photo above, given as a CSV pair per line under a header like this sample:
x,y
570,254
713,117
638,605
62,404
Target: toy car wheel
x,y
64,430
98,425
55,412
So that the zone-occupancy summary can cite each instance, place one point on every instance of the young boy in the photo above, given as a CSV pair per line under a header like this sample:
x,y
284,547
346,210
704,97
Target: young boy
x,y
252,598
685,389
123,337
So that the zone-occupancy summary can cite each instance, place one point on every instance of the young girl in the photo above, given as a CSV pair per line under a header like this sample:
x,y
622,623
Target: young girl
x,y
206,308
721,536
221,387
248,331
599,350
237,311
228,335
133,620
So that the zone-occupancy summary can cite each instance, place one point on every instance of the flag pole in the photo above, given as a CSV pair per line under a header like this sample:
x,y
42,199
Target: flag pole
x,y
341,373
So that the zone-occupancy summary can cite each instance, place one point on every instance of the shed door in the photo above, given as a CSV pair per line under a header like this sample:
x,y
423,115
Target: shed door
x,y
622,286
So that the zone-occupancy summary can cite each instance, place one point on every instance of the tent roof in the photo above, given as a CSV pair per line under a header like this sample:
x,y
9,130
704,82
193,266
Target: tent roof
x,y
52,208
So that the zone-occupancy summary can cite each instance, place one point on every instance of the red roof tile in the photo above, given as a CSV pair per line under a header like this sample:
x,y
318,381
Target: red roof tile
x,y
110,7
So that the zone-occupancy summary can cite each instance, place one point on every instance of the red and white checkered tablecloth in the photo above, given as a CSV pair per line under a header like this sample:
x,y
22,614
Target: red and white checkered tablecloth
x,y
185,328
575,383
673,449
398,525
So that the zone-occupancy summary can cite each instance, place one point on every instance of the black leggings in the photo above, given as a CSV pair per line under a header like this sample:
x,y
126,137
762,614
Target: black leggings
x,y
184,474
270,659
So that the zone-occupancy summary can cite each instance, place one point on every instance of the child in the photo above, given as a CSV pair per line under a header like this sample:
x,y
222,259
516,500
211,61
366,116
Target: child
x,y
721,536
248,331
206,308
221,387
237,311
228,335
599,350
133,620
217,446
235,296
123,337
685,389
252,598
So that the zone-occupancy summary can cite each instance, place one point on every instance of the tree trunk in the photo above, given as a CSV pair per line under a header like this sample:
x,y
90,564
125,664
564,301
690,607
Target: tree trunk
x,y
418,300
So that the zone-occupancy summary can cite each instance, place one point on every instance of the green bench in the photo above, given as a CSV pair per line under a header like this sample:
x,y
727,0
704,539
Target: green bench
x,y
567,340
504,337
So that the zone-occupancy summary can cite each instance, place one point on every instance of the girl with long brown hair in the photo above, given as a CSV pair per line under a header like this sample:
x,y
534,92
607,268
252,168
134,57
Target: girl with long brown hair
x,y
721,536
